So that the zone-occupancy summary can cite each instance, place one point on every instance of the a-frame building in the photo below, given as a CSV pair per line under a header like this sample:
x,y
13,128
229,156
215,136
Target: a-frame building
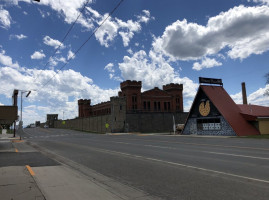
x,y
213,112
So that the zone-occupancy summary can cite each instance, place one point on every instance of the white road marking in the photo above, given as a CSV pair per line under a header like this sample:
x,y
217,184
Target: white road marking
x,y
181,165
228,154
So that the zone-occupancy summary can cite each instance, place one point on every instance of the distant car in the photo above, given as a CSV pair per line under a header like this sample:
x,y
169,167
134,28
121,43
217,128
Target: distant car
x,y
46,126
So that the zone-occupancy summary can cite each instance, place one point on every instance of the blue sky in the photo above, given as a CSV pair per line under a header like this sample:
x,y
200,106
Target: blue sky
x,y
157,42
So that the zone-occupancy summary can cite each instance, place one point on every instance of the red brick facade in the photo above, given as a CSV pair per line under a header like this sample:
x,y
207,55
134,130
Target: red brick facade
x,y
169,99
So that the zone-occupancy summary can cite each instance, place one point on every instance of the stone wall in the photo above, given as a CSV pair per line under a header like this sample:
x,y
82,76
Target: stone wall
x,y
91,124
153,122
122,122
191,128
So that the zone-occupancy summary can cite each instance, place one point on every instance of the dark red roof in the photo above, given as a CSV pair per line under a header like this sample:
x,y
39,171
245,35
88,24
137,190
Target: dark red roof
x,y
229,110
254,110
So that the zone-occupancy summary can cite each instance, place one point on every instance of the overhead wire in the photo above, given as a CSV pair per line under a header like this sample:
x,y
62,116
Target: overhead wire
x,y
76,52
61,43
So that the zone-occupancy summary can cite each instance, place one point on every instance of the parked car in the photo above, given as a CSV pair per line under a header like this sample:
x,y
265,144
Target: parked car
x,y
46,126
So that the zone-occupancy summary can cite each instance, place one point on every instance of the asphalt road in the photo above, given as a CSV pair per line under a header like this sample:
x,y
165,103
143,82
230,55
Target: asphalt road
x,y
169,167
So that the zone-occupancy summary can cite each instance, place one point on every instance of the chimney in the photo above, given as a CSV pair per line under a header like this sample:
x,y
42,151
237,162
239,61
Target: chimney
x,y
244,93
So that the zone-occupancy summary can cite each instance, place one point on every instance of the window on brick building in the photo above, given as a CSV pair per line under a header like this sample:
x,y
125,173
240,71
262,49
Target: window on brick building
x,y
134,99
177,103
159,105
165,105
134,102
145,105
155,105
168,105
148,105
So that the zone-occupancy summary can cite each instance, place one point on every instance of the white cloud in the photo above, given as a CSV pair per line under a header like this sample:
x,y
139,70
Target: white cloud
x,y
107,32
126,29
5,19
91,18
93,12
256,98
130,51
109,67
243,30
70,55
18,37
52,42
53,61
260,1
153,70
38,55
7,60
206,63
61,93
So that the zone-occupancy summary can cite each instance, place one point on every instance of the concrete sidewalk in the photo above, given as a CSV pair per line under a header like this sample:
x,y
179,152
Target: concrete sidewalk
x,y
16,183
54,182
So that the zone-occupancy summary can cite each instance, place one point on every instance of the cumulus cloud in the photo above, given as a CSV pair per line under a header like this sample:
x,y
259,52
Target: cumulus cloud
x,y
256,98
206,63
52,42
109,67
6,60
260,1
18,37
5,19
92,18
55,96
70,55
38,55
243,30
53,61
126,29
154,70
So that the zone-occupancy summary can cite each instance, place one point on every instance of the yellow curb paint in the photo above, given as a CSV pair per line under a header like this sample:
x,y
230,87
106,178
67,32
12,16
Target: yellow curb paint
x,y
30,170
16,150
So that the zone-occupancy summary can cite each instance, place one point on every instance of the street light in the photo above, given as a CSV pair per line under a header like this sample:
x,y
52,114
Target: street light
x,y
22,92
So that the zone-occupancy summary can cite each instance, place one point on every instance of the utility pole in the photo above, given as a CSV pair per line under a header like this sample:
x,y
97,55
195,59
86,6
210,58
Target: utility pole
x,y
21,123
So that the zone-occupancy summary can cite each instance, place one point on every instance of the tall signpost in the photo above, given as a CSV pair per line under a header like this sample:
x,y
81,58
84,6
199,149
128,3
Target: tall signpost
x,y
21,123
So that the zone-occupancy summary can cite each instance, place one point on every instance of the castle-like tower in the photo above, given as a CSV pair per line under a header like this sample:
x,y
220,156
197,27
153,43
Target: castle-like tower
x,y
131,90
84,107
175,90
169,99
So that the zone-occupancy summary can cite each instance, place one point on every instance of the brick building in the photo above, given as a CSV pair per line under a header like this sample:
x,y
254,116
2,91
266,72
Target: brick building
x,y
132,110
169,99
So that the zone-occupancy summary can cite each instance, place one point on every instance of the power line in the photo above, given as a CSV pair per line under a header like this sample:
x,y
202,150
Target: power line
x,y
67,33
95,30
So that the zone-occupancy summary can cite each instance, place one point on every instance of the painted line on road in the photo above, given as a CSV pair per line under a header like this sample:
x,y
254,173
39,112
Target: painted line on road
x,y
30,170
201,144
236,155
182,165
